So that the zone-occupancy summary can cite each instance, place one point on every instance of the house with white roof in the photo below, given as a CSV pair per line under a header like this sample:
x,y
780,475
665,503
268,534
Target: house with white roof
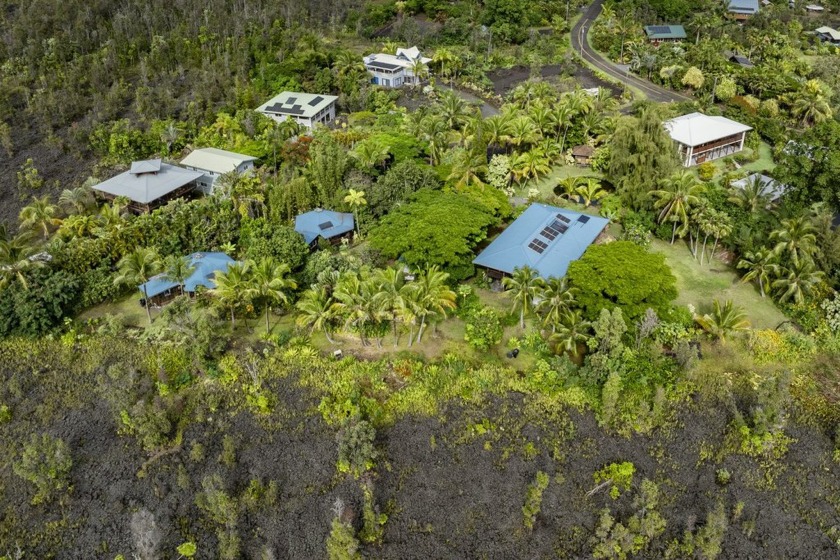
x,y
392,71
828,35
702,138
307,109
214,163
149,184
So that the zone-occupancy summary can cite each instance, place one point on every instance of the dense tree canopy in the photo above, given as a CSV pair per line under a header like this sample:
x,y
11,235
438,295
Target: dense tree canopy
x,y
810,166
434,228
622,274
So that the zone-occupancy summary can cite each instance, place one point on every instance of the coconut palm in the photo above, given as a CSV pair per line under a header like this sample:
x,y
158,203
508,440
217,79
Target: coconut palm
x,y
522,132
136,269
436,133
812,103
370,155
724,320
530,165
541,116
391,292
16,258
796,238
681,192
432,296
268,281
76,201
523,286
352,305
555,299
178,269
590,191
496,130
40,215
571,332
453,110
445,61
753,197
78,225
468,167
233,288
355,200
760,266
420,71
315,310
797,281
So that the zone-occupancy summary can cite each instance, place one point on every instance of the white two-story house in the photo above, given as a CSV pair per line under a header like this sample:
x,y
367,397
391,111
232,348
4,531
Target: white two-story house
x,y
214,163
392,71
307,109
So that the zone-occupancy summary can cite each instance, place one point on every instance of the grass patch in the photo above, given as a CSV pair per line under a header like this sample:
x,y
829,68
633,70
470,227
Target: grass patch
x,y
546,184
764,161
127,307
699,286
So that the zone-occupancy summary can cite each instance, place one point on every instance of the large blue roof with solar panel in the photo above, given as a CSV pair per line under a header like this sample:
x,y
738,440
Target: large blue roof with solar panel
x,y
545,238
323,223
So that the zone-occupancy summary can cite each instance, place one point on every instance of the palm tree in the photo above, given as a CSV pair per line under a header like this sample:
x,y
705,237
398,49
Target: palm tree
x,y
522,132
232,288
760,266
753,197
269,283
571,332
530,165
681,192
467,168
436,133
561,117
556,299
78,225
420,71
569,187
351,304
496,130
796,237
444,59
591,191
40,214
136,269
78,200
723,321
523,286
316,311
812,103
355,200
16,258
390,285
178,269
542,118
433,297
798,281
370,155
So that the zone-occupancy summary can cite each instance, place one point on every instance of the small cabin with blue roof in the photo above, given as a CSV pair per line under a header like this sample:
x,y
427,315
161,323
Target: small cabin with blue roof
x,y
543,237
159,289
330,225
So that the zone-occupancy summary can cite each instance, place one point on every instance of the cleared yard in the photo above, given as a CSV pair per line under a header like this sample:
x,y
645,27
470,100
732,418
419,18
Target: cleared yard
x,y
699,286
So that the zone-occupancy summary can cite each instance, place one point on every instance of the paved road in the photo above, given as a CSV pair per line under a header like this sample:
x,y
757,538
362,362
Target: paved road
x,y
579,44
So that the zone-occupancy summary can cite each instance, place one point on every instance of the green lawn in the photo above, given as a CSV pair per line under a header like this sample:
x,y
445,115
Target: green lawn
x,y
128,308
699,286
546,184
764,161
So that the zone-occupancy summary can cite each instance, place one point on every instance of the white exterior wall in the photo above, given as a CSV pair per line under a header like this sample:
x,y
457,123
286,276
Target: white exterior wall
x,y
206,182
325,116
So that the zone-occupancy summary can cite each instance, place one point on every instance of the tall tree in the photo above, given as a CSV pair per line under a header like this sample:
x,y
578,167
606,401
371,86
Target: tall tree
x,y
178,269
136,268
269,282
433,296
315,310
16,259
555,300
355,200
523,286
681,192
40,214
723,320
233,288
796,238
761,267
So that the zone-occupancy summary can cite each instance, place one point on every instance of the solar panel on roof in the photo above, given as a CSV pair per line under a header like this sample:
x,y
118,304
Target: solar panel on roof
x,y
563,218
291,100
549,233
537,245
583,219
660,29
325,225
315,101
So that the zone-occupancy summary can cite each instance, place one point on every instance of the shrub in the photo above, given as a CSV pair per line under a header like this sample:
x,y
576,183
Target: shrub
x,y
228,455
342,543
46,463
483,329
706,171
723,476
618,475
533,499
356,452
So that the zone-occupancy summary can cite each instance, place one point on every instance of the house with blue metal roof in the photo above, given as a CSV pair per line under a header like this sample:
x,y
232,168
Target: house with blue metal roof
x,y
743,9
545,238
328,224
206,265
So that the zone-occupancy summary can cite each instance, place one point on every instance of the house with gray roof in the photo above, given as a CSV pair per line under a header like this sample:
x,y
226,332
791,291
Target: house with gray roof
x,y
768,186
149,184
657,34
307,109
828,35
214,163
326,224
545,238
701,138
